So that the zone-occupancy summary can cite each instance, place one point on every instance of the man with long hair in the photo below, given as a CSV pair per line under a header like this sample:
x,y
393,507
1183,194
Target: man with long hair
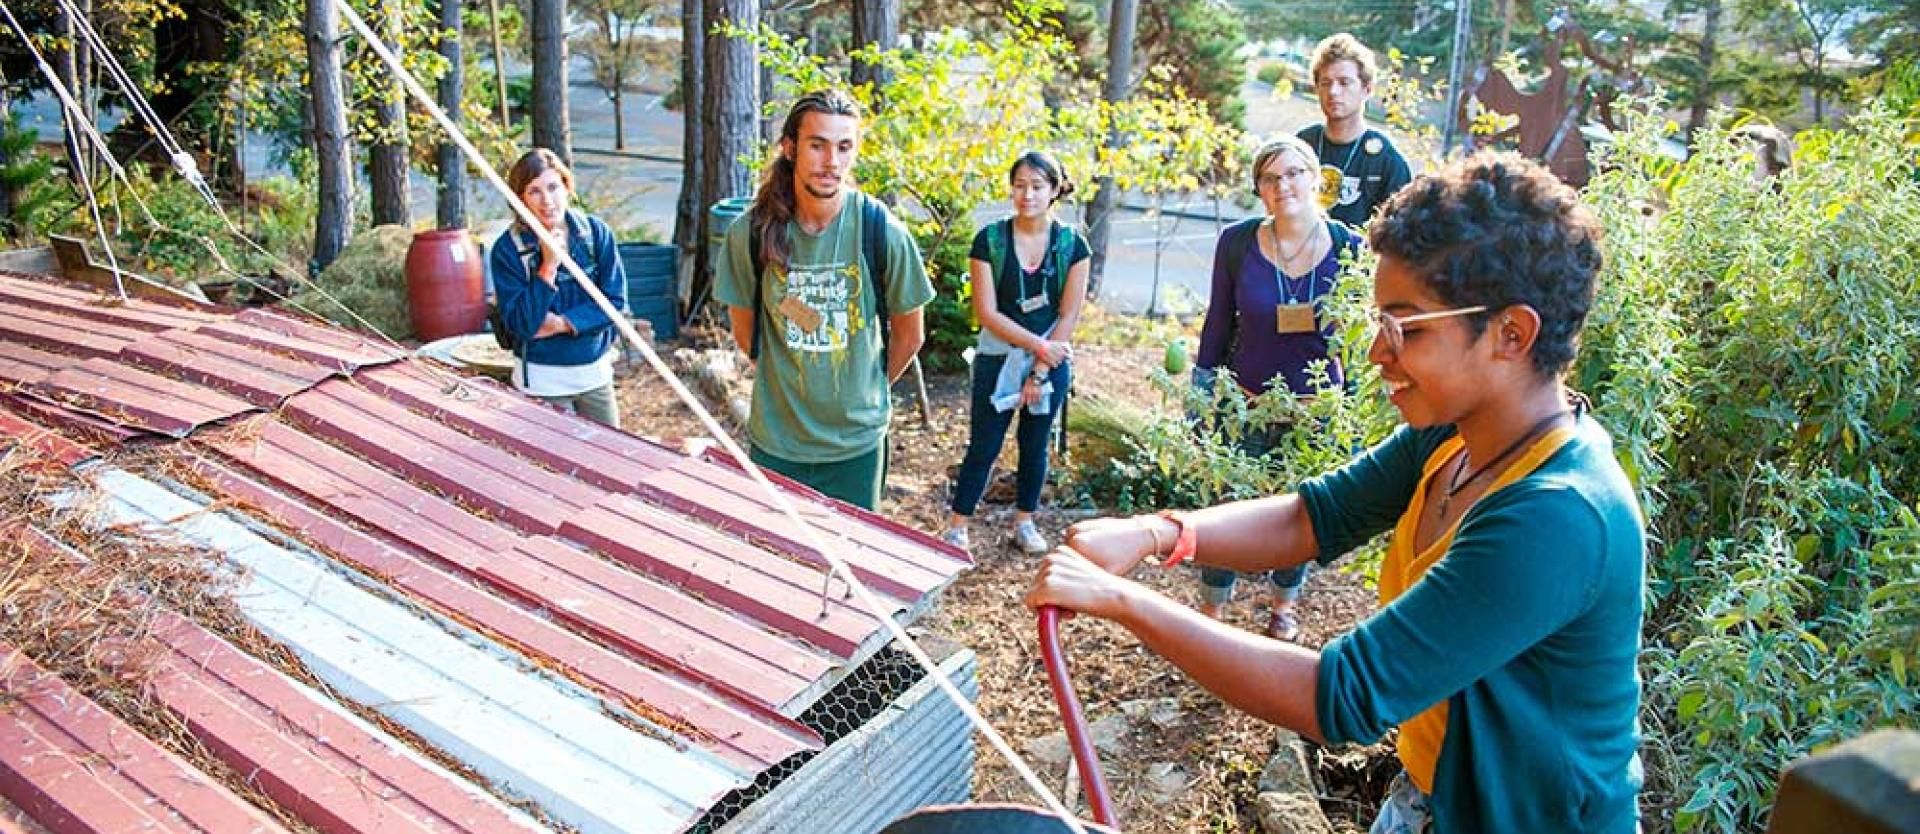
x,y
824,289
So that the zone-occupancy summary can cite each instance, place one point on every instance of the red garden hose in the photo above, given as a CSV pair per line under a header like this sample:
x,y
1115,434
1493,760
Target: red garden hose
x,y
1084,754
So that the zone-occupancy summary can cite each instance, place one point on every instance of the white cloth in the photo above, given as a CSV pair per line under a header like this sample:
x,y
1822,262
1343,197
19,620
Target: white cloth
x,y
1013,375
563,380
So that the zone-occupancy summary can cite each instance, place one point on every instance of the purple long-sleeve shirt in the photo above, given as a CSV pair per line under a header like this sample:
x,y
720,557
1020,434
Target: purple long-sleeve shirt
x,y
1242,330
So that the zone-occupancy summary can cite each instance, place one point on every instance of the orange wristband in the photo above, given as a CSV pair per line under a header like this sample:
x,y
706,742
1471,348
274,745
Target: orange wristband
x,y
1185,543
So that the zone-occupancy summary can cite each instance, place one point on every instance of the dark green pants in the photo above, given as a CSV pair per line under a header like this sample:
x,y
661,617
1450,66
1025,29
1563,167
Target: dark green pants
x,y
857,481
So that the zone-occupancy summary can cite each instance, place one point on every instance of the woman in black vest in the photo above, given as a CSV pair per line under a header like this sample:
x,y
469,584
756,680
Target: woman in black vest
x,y
1029,281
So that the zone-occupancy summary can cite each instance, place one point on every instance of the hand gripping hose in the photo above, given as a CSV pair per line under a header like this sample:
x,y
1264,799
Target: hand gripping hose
x,y
1084,754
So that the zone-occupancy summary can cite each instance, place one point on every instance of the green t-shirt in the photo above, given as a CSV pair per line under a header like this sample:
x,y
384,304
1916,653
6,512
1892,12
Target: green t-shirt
x,y
820,393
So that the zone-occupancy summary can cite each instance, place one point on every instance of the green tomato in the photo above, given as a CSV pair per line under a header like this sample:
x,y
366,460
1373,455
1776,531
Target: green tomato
x,y
1177,356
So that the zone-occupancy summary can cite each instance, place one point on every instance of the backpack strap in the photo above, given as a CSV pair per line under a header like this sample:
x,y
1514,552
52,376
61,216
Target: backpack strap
x,y
873,241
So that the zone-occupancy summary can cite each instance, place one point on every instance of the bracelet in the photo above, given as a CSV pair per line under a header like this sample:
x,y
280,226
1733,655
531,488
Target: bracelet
x,y
1184,544
1146,523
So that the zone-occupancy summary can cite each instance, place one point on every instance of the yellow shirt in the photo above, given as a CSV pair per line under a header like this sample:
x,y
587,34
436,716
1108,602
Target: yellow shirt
x,y
1422,735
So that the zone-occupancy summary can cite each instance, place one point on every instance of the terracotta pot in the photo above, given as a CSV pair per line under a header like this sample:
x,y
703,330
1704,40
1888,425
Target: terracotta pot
x,y
446,293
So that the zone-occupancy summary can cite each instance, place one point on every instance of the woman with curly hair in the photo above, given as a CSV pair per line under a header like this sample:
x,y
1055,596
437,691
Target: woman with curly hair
x,y
1510,593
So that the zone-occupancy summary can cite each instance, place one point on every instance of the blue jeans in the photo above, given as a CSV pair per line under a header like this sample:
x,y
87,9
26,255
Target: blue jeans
x,y
987,430
1405,809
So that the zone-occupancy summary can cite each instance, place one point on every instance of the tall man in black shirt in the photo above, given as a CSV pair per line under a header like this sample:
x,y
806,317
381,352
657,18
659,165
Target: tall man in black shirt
x,y
1360,167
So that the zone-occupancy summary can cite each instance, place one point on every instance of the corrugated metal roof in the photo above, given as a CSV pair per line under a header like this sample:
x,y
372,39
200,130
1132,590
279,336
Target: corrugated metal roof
x,y
659,587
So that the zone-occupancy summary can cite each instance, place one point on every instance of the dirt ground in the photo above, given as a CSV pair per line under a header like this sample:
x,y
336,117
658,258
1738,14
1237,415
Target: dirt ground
x,y
1217,751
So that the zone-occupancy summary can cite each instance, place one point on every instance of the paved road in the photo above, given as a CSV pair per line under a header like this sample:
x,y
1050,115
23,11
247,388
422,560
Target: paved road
x,y
1170,252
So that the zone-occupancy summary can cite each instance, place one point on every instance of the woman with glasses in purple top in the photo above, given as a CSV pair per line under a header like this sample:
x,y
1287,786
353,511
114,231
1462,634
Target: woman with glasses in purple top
x,y
1264,322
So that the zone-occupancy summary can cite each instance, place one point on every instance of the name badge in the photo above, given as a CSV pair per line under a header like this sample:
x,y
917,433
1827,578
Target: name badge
x,y
800,313
1028,305
1294,318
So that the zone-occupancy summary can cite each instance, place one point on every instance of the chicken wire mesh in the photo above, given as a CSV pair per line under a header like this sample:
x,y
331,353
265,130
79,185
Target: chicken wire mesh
x,y
845,708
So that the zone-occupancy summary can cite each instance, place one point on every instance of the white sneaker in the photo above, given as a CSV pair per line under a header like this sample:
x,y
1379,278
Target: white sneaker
x,y
957,536
1029,538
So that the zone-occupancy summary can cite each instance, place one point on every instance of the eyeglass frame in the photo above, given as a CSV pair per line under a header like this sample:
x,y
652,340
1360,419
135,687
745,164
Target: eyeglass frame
x,y
1265,181
1386,323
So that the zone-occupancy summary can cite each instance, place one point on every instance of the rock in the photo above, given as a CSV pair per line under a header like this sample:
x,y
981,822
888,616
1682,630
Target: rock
x,y
1110,735
1290,813
1050,752
1288,771
1109,740
1166,782
1163,713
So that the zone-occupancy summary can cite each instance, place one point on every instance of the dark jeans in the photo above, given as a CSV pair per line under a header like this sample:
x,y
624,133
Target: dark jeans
x,y
988,430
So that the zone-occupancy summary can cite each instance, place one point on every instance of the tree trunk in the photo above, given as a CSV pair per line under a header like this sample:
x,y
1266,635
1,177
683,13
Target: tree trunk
x,y
1120,29
1504,10
66,65
733,83
8,192
450,209
334,202
1703,81
387,159
690,214
549,27
876,23
619,120
499,64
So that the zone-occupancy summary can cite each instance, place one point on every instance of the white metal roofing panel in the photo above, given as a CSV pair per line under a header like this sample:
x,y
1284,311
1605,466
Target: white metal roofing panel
x,y
512,727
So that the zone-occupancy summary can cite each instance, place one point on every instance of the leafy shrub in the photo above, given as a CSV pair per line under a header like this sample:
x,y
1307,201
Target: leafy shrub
x,y
1753,351
366,285
958,110
1271,74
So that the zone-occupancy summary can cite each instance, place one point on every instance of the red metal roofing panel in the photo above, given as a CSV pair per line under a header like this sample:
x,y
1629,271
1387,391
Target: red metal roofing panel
x,y
66,420
754,736
330,772
598,455
513,489
136,398
76,768
59,332
257,376
731,502
577,588
347,345
22,364
756,583
42,440
93,304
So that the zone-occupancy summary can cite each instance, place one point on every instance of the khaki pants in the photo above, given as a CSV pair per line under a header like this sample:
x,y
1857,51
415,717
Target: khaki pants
x,y
598,405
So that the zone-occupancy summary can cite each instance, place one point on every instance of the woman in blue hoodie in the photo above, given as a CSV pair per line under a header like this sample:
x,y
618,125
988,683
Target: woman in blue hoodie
x,y
562,340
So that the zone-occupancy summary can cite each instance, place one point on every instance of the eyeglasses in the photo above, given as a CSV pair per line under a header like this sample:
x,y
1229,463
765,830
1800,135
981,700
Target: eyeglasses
x,y
1269,182
1394,328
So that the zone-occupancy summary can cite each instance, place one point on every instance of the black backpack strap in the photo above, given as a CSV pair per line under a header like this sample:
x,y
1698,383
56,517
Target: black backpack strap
x,y
873,241
759,267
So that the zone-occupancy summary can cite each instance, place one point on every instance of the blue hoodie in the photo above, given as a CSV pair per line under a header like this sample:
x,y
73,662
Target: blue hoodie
x,y
525,300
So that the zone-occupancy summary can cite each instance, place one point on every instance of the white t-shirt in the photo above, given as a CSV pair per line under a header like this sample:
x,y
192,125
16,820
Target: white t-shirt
x,y
563,380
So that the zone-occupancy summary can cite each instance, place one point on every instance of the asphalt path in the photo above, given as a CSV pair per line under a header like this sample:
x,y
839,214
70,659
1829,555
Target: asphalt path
x,y
1162,251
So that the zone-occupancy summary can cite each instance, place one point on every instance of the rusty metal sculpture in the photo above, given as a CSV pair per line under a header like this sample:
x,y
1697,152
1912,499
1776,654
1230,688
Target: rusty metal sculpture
x,y
1547,122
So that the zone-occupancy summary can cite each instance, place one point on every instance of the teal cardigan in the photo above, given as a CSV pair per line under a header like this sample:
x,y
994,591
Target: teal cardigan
x,y
1529,627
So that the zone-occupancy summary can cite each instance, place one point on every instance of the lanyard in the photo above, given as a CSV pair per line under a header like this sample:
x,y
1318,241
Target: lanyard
x,y
1320,148
1280,276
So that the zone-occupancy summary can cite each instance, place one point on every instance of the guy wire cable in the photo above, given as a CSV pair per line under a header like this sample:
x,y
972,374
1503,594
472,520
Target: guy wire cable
x,y
780,499
189,170
93,209
392,348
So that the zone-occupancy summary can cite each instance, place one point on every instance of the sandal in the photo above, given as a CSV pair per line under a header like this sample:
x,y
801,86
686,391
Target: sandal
x,y
1283,625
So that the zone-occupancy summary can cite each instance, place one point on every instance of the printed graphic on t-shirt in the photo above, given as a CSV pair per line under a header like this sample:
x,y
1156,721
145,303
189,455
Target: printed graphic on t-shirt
x,y
818,306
